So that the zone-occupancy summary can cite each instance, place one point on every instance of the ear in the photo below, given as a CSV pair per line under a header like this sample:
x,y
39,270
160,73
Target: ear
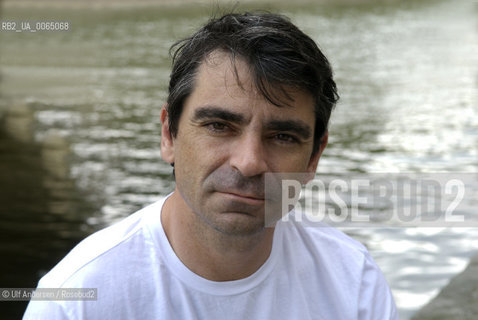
x,y
314,160
167,141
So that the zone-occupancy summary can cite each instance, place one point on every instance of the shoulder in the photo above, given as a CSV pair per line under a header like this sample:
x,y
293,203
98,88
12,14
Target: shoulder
x,y
101,245
351,275
316,245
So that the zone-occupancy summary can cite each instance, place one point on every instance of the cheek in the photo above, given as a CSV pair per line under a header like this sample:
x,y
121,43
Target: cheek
x,y
289,161
197,155
294,165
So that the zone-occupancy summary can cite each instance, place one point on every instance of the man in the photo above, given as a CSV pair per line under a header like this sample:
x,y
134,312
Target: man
x,y
249,94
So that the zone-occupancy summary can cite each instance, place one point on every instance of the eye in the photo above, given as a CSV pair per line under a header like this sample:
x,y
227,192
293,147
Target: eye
x,y
286,138
216,127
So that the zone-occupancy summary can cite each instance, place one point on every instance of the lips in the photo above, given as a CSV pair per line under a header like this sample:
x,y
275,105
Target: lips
x,y
248,196
243,194
243,197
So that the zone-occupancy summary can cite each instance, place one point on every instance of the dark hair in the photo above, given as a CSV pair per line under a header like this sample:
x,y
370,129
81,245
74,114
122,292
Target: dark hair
x,y
279,54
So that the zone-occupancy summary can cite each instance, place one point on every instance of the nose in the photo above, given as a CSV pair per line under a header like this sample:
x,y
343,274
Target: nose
x,y
248,156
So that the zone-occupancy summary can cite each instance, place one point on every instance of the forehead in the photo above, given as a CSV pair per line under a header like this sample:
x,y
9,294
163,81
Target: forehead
x,y
221,71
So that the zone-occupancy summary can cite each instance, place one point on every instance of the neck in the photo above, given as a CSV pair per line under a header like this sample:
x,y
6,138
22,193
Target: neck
x,y
208,252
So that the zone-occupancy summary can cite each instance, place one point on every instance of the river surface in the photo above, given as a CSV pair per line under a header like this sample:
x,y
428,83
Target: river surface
x,y
407,75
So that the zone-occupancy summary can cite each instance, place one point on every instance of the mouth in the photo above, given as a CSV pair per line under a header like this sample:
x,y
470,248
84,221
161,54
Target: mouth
x,y
247,198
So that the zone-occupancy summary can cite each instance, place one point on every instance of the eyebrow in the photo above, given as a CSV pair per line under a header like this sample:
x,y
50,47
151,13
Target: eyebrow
x,y
299,127
210,112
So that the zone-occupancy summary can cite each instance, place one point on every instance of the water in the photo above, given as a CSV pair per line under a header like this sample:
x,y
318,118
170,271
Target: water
x,y
407,76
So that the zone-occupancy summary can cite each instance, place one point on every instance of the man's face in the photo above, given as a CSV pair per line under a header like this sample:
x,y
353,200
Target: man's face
x,y
228,137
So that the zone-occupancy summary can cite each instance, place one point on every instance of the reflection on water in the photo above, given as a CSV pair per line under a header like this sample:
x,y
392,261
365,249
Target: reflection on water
x,y
407,76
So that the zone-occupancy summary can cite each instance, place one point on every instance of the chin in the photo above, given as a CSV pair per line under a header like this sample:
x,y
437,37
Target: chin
x,y
238,224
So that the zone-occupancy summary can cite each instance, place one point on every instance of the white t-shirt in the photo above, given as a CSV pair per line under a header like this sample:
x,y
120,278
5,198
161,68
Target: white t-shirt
x,y
311,273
